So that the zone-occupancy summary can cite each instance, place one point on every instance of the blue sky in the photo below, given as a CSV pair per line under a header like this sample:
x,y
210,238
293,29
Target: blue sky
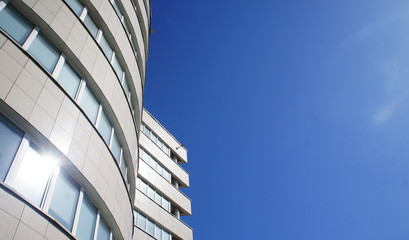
x,y
295,115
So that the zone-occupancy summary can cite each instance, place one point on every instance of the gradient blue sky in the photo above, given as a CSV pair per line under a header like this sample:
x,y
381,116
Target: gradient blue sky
x,y
295,115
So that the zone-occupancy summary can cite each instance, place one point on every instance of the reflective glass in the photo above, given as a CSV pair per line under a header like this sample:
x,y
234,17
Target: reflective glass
x,y
158,232
166,175
158,198
141,221
92,27
151,193
103,230
144,187
166,149
87,218
116,7
44,52
76,5
126,88
90,104
117,68
153,163
106,47
105,127
15,24
116,148
154,138
159,169
165,204
123,167
69,79
64,200
150,227
33,175
10,139
165,235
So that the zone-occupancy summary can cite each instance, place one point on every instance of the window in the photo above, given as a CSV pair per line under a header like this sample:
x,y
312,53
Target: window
x,y
10,138
158,233
15,24
116,148
123,167
44,52
87,220
103,230
152,194
141,221
155,165
150,227
69,79
158,199
116,7
75,5
117,68
106,48
105,127
166,204
155,139
90,104
64,200
92,27
33,175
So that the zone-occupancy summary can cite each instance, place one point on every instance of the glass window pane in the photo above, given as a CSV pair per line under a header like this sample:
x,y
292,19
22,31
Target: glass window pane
x,y
76,5
116,148
92,27
154,138
165,235
103,230
144,187
33,175
105,127
166,175
15,24
69,79
117,68
159,169
158,232
10,139
147,132
126,27
126,88
153,163
166,149
165,204
151,193
87,218
123,167
64,200
90,104
160,143
158,198
116,7
150,227
106,47
141,221
44,52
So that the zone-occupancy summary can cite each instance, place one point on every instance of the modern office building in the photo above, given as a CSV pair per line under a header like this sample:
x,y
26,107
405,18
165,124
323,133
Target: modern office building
x,y
72,74
159,202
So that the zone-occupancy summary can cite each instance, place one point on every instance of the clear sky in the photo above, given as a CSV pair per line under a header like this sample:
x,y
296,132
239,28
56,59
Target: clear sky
x,y
295,115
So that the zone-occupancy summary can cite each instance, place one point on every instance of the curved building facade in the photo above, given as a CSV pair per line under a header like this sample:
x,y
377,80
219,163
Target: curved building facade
x,y
72,74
